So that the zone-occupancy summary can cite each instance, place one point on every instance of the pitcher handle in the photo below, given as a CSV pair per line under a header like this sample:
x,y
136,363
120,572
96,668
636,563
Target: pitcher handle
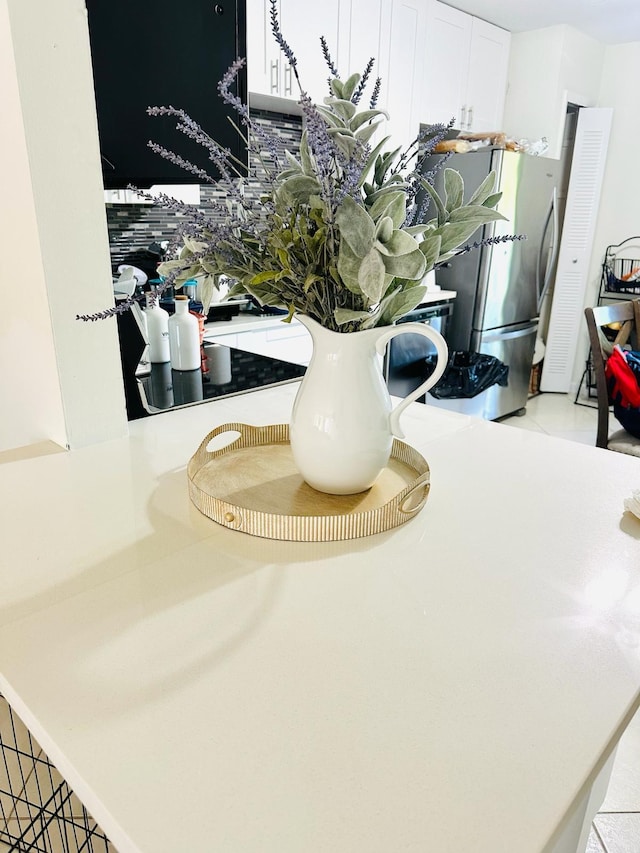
x,y
442,351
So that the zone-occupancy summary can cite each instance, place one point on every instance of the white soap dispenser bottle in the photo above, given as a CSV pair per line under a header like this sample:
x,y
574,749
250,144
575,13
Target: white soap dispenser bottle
x,y
184,337
157,330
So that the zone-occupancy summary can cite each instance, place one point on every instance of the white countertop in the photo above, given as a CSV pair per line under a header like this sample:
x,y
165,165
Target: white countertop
x,y
252,322
450,686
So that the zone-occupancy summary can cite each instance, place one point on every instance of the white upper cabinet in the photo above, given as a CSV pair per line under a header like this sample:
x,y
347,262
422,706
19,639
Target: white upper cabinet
x,y
435,62
466,70
487,79
302,25
269,71
403,76
363,39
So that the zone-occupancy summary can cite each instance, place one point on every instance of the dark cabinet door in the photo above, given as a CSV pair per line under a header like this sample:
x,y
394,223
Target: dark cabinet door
x,y
160,53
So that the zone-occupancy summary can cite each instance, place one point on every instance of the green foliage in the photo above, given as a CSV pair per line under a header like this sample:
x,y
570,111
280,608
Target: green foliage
x,y
332,238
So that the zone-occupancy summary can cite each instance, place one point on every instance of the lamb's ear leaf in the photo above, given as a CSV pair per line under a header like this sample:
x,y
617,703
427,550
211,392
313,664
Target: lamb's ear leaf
x,y
430,248
371,276
400,302
411,266
356,226
345,315
348,268
477,213
442,211
389,203
366,115
492,200
485,189
349,86
305,156
454,189
364,134
337,87
371,159
295,165
399,243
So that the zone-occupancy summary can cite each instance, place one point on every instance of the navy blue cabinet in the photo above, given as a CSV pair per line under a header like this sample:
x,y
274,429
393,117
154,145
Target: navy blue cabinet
x,y
160,53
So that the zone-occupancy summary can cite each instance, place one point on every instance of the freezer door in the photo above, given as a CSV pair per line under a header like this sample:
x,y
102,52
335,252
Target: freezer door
x,y
514,347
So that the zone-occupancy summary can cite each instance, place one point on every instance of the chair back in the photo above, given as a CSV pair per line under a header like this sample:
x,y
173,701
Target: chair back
x,y
626,313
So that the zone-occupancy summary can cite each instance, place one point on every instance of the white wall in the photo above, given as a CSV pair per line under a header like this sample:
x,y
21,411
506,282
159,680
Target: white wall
x,y
547,68
60,379
619,214
29,388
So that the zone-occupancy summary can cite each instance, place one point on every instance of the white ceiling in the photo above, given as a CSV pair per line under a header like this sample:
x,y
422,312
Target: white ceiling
x,y
608,21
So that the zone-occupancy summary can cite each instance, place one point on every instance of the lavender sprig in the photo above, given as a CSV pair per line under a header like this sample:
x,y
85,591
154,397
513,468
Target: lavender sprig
x,y
258,133
323,147
119,308
327,58
218,154
432,134
375,94
180,161
490,241
363,81
224,89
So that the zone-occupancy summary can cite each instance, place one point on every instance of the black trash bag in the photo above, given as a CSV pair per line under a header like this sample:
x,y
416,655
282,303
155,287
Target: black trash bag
x,y
468,374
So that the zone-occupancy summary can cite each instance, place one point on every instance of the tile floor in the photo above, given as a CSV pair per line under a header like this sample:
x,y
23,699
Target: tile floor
x,y
558,415
616,828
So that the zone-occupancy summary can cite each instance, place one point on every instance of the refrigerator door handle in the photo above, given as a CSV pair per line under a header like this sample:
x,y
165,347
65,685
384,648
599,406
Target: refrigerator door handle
x,y
501,335
552,216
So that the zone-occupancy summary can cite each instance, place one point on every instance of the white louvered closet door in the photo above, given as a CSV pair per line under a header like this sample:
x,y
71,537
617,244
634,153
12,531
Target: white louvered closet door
x,y
576,245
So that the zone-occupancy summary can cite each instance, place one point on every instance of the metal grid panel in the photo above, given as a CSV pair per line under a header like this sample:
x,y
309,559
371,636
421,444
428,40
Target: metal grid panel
x,y
39,812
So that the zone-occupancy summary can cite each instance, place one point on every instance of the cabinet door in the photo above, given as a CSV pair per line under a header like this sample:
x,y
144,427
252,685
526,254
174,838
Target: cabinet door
x,y
487,79
403,81
363,40
259,38
265,63
447,49
124,89
302,25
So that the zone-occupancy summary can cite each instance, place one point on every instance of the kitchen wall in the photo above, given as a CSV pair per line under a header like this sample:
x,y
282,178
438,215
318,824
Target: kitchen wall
x,y
548,68
134,226
60,379
618,217
26,336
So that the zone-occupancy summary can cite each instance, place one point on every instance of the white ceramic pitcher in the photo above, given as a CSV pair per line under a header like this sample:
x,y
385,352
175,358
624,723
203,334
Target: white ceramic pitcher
x,y
342,424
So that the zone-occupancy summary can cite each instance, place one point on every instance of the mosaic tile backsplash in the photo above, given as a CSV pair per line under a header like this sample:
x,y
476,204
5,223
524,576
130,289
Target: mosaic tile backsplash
x,y
133,226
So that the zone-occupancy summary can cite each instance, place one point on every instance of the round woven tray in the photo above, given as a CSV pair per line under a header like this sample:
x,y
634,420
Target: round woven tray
x,y
253,485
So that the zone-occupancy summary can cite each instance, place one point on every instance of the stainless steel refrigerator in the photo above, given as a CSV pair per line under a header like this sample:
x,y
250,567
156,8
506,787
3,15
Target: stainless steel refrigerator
x,y
500,288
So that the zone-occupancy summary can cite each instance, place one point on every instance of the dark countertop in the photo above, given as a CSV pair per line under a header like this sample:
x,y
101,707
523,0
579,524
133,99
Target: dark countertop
x,y
225,372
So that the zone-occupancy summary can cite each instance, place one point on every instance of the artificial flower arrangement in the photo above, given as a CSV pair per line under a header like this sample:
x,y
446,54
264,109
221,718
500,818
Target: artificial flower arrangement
x,y
341,233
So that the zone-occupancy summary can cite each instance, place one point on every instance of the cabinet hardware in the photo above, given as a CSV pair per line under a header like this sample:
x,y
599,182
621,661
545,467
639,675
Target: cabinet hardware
x,y
287,80
469,118
218,9
463,116
274,79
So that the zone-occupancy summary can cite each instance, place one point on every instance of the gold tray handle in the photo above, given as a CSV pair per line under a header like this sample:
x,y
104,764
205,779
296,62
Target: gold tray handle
x,y
423,482
249,436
